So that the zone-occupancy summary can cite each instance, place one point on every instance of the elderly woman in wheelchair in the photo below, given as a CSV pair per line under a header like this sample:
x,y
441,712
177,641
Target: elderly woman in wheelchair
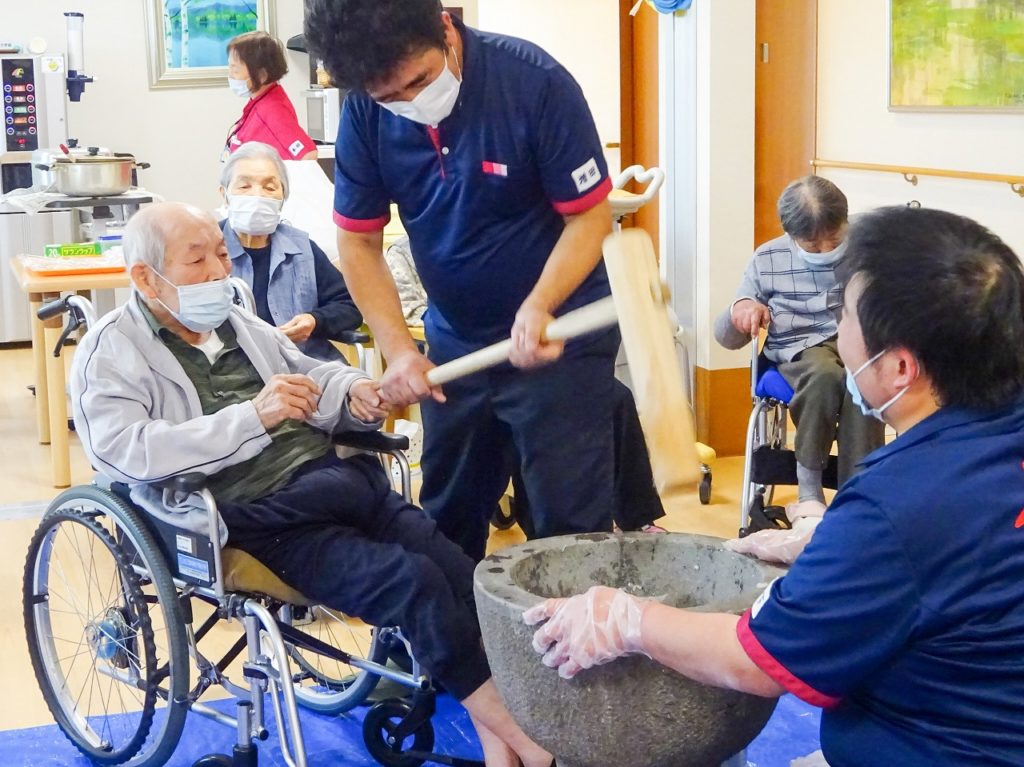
x,y
214,428
791,289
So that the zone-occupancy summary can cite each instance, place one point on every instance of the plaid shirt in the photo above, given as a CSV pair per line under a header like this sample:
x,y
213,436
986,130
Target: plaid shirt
x,y
803,299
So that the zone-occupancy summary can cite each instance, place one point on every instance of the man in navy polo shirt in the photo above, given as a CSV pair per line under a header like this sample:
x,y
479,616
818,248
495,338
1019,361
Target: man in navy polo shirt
x,y
904,616
489,149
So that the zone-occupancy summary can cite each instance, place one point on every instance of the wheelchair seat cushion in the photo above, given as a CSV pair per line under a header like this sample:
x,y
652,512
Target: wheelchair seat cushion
x,y
243,572
771,384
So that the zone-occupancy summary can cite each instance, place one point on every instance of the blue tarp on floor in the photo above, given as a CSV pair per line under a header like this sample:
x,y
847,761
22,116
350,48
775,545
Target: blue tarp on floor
x,y
791,733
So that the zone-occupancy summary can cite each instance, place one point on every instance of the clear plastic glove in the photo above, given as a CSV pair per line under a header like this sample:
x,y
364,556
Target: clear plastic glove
x,y
588,629
777,546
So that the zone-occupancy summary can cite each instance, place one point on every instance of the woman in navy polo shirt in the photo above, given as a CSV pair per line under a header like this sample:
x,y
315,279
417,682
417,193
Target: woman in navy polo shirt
x,y
904,616
256,64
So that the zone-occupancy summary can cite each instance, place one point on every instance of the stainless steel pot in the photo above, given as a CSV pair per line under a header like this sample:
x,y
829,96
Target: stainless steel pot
x,y
93,176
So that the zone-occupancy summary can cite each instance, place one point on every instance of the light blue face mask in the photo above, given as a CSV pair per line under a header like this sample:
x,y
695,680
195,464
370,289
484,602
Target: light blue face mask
x,y
239,87
203,306
822,259
858,398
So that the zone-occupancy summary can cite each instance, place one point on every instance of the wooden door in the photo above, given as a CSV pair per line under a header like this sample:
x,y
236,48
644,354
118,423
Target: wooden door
x,y
785,104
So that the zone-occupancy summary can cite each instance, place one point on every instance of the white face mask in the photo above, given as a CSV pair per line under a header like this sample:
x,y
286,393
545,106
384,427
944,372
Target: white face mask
x,y
239,87
432,104
253,214
822,259
201,307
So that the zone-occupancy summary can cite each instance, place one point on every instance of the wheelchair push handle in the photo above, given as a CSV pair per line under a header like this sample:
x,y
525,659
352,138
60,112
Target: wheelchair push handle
x,y
52,309
80,313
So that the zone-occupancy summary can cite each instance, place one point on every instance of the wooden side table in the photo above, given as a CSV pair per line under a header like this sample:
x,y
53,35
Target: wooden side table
x,y
51,403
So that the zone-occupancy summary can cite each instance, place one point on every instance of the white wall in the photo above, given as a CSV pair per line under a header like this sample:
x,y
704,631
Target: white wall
x,y
583,35
181,131
707,150
855,125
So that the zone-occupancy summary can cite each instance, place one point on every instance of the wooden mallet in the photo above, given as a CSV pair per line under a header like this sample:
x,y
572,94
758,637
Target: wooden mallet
x,y
637,303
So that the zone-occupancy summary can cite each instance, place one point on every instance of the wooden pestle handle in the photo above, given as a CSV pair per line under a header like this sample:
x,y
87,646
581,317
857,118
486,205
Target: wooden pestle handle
x,y
596,316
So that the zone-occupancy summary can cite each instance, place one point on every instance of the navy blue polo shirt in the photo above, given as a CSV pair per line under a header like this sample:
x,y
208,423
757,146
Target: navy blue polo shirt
x,y
904,617
483,194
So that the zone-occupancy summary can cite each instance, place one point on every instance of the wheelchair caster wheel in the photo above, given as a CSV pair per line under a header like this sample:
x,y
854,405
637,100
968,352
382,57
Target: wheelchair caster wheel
x,y
504,516
378,728
214,760
704,491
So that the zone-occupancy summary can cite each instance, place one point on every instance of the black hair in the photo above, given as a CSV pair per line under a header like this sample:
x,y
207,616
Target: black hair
x,y
362,41
950,292
811,207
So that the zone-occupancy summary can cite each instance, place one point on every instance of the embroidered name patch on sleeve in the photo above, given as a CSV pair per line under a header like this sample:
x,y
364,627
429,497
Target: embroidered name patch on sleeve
x,y
295,148
586,175
495,168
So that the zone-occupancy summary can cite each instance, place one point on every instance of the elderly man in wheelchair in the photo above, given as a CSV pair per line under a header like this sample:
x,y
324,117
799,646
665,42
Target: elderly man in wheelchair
x,y
791,289
180,383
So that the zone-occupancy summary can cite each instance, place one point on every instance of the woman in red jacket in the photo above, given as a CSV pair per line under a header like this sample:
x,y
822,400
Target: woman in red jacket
x,y
256,64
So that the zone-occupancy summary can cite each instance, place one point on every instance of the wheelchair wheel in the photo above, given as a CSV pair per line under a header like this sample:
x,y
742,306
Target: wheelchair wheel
x,y
328,685
378,728
105,633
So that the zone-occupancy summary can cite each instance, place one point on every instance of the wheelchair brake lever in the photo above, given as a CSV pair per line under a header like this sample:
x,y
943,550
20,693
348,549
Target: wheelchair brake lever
x,y
69,328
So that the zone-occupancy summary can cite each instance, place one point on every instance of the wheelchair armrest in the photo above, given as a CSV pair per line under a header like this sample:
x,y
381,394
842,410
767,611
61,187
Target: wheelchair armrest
x,y
377,441
353,337
186,483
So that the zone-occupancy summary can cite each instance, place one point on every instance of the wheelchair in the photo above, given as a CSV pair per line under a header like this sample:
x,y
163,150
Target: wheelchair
x,y
112,599
767,459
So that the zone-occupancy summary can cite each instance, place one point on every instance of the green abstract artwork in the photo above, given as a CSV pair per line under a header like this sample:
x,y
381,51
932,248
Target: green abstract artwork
x,y
957,54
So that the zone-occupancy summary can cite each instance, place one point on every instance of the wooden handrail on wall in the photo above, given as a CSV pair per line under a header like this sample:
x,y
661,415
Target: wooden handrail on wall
x,y
910,174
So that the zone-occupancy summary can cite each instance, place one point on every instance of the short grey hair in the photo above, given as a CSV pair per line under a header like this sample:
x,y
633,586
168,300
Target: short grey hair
x,y
145,236
258,150
812,206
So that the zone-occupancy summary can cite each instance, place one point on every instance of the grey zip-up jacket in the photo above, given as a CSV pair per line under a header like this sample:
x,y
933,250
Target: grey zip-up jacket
x,y
140,420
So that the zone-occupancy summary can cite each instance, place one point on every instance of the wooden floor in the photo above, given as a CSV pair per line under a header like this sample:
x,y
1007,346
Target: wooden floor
x,y
25,477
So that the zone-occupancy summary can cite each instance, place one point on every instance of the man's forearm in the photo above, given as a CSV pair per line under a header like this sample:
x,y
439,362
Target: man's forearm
x,y
704,647
574,256
369,280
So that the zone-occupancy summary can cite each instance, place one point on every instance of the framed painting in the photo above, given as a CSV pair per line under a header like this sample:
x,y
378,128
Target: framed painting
x,y
187,39
963,55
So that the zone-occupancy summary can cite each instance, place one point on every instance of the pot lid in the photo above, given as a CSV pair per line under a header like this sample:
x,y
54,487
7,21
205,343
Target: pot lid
x,y
93,160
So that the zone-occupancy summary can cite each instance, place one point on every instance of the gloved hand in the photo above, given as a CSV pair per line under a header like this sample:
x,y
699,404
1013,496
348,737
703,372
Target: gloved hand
x,y
776,546
588,629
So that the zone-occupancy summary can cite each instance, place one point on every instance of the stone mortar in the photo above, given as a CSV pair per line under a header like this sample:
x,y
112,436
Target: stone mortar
x,y
632,712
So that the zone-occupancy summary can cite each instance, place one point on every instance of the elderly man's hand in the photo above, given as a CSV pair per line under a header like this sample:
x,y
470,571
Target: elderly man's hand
x,y
289,396
529,349
299,328
364,401
405,381
749,316
588,629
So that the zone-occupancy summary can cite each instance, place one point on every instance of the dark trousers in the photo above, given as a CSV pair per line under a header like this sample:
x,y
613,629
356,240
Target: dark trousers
x,y
338,534
824,412
637,502
556,422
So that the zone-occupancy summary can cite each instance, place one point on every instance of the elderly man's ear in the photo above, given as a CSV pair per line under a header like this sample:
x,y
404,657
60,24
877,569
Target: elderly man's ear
x,y
142,278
